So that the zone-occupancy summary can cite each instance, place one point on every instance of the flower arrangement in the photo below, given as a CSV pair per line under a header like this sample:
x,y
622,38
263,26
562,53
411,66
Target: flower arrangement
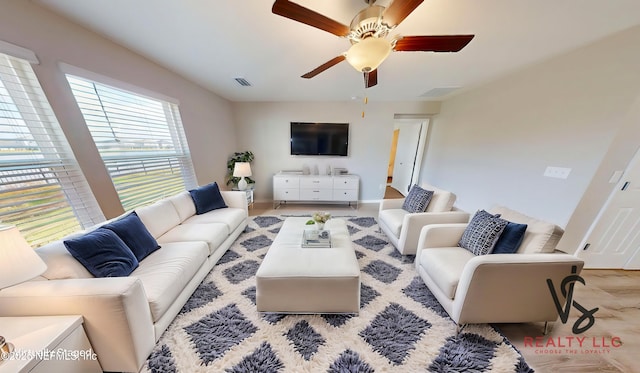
x,y
319,217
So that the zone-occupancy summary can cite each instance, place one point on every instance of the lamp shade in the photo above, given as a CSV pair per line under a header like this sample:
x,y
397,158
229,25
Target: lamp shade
x,y
242,169
18,261
368,54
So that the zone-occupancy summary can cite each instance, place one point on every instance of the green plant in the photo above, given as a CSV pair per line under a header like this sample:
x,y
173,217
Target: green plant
x,y
245,156
310,222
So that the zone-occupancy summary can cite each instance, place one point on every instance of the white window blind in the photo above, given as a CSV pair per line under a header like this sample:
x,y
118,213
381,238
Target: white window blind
x,y
42,189
140,140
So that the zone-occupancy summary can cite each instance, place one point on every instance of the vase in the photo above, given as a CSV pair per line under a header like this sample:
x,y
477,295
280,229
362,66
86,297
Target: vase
x,y
319,226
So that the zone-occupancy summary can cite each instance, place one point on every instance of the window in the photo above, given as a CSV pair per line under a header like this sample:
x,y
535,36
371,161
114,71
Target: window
x,y
140,140
42,189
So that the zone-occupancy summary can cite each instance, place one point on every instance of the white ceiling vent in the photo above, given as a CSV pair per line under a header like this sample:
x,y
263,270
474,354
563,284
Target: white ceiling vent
x,y
439,92
243,82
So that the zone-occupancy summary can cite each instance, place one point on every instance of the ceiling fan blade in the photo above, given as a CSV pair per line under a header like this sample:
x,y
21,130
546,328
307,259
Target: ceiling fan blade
x,y
307,16
324,66
371,78
399,10
441,43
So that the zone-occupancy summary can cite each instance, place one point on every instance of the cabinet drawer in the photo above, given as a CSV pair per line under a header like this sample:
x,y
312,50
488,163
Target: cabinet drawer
x,y
345,183
316,194
345,195
286,182
286,194
316,182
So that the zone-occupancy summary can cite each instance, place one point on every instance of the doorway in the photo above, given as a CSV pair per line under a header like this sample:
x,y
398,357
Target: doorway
x,y
407,150
613,241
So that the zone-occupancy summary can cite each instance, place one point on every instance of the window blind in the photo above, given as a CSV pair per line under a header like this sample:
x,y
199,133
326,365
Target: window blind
x,y
140,139
42,189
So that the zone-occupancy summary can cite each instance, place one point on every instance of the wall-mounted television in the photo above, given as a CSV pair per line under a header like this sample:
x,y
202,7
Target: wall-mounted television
x,y
319,138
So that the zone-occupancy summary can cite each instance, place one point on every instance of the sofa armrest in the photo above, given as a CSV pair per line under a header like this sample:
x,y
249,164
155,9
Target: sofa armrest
x,y
235,198
413,223
394,203
117,318
512,287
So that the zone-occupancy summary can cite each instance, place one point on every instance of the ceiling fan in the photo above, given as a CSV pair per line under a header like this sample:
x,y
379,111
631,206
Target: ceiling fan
x,y
368,35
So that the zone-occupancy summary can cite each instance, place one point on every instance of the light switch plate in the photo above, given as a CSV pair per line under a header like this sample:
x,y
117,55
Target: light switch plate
x,y
557,172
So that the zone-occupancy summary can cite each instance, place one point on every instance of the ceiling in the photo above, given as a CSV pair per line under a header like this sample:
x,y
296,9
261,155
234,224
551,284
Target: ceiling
x,y
211,42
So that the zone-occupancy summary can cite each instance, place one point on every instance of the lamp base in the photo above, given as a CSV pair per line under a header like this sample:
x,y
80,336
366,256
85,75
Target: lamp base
x,y
6,348
242,184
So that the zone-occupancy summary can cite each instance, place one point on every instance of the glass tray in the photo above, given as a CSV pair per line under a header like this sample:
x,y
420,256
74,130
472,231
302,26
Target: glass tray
x,y
316,238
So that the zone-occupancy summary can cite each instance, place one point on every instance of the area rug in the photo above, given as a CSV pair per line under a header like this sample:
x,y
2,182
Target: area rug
x,y
401,327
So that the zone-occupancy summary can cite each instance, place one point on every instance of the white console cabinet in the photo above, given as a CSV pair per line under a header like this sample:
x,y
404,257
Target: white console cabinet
x,y
315,188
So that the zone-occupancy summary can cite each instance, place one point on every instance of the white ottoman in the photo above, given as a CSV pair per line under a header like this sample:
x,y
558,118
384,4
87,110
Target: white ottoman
x,y
293,279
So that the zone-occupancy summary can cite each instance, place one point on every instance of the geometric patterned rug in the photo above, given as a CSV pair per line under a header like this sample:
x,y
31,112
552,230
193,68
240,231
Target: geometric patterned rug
x,y
401,327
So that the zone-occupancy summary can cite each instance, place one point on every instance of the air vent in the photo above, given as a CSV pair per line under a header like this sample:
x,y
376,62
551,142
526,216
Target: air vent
x,y
243,82
439,92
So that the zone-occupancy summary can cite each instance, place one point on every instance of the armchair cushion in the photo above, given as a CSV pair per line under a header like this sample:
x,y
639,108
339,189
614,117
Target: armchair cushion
x,y
393,218
540,236
482,233
510,239
417,200
445,266
441,201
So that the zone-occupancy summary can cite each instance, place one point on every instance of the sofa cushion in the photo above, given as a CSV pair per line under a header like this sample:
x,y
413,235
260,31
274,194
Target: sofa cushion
x,y
183,203
60,263
540,236
510,239
159,217
207,198
441,201
166,272
213,234
232,217
417,199
482,233
134,234
445,266
103,253
393,219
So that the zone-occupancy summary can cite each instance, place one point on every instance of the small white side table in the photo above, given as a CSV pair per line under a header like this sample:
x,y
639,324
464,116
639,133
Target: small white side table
x,y
47,344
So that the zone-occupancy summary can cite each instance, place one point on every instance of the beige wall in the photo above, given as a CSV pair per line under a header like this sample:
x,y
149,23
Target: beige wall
x,y
207,117
491,145
264,128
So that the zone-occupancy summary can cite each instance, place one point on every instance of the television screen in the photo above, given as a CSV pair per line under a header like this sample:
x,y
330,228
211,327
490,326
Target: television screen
x,y
319,138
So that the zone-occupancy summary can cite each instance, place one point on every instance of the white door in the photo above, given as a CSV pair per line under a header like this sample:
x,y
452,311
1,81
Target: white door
x,y
408,141
614,238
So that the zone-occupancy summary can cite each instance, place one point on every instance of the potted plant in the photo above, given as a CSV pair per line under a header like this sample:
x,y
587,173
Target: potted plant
x,y
320,218
245,156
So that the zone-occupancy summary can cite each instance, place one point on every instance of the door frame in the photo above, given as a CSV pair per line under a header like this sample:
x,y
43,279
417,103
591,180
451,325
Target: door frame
x,y
425,122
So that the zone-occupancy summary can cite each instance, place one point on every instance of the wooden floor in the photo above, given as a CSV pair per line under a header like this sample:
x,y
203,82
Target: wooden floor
x,y
615,292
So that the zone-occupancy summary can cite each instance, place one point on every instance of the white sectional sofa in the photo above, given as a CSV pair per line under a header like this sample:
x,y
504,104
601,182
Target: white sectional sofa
x,y
125,316
495,288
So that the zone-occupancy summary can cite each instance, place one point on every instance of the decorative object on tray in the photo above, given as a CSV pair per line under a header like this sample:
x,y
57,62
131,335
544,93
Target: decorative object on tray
x,y
320,218
316,238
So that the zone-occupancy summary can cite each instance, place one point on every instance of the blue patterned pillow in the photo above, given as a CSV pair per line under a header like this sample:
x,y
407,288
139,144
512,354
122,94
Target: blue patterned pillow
x,y
417,200
482,233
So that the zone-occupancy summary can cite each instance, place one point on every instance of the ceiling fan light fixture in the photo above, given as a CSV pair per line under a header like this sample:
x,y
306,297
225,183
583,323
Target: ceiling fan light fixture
x,y
368,54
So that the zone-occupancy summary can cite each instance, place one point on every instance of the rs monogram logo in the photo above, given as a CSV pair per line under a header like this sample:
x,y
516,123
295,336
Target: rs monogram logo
x,y
587,315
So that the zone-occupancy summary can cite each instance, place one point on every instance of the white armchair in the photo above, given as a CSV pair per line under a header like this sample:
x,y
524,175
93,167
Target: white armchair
x,y
495,288
403,228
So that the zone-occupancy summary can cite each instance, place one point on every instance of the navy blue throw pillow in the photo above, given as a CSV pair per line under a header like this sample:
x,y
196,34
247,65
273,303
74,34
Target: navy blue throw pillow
x,y
207,198
135,235
103,253
511,238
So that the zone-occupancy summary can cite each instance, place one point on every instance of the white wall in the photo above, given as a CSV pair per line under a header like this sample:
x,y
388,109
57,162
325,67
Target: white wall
x,y
264,129
206,117
491,145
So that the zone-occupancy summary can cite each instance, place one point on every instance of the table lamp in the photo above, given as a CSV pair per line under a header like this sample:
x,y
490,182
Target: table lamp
x,y
18,263
242,169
